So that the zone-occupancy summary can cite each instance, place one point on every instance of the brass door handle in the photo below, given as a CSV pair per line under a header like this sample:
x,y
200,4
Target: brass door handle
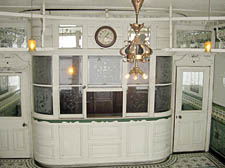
x,y
24,124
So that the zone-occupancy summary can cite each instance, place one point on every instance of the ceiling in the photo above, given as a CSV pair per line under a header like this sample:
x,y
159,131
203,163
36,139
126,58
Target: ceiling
x,y
150,7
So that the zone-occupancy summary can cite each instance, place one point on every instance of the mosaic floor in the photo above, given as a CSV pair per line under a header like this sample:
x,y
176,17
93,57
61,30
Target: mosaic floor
x,y
193,160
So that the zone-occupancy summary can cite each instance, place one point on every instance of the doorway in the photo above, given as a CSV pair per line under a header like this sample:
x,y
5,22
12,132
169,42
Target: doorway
x,y
191,112
14,118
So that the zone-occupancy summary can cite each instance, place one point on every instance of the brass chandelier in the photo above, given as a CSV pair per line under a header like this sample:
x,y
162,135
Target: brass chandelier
x,y
135,50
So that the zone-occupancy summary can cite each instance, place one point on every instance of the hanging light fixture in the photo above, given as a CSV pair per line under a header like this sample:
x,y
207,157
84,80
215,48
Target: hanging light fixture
x,y
208,44
136,51
32,43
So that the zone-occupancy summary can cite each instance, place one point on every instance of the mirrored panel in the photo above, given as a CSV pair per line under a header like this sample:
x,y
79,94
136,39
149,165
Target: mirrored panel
x,y
70,72
70,36
163,69
42,70
43,100
192,38
104,104
11,37
162,98
104,70
137,99
71,100
10,96
192,90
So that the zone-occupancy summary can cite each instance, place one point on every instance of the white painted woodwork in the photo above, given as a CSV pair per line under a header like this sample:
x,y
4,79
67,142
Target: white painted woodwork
x,y
104,142
15,140
191,129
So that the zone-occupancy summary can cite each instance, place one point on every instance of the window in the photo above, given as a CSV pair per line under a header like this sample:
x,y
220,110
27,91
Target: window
x,y
70,36
42,84
70,80
11,37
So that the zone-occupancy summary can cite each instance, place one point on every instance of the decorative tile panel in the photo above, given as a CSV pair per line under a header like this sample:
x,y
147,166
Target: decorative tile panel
x,y
43,100
42,70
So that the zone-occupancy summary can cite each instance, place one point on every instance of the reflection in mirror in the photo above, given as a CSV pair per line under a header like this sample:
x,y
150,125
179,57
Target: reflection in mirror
x,y
10,96
192,90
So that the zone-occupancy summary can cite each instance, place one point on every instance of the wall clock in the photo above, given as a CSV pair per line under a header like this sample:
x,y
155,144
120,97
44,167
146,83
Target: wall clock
x,y
105,36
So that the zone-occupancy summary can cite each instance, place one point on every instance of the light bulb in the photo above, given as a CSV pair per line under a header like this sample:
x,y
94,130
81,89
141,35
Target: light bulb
x,y
71,70
145,76
127,76
135,77
32,45
208,46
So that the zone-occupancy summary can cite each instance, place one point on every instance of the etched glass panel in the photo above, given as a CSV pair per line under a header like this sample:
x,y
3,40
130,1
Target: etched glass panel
x,y
13,37
70,36
220,37
70,70
192,91
104,70
162,98
137,99
42,70
71,100
43,100
104,104
144,67
192,38
163,70
10,96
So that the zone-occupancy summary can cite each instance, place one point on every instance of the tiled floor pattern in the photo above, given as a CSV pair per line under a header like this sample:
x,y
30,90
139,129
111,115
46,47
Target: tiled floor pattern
x,y
190,160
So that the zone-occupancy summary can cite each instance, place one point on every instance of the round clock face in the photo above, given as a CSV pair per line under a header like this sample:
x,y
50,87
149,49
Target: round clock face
x,y
105,36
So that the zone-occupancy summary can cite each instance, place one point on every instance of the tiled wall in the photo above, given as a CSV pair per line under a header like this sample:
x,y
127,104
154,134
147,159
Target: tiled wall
x,y
217,134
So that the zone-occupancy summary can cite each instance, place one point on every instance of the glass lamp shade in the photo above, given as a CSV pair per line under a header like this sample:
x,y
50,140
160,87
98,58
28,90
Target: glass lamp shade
x,y
208,46
32,45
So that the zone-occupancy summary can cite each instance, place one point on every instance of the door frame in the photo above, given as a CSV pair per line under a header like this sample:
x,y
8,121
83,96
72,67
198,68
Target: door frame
x,y
194,59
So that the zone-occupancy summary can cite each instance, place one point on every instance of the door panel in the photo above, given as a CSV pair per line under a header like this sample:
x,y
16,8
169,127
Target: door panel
x,y
191,108
14,131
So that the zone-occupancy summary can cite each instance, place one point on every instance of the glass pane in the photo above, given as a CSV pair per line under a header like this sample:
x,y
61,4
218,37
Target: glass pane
x,y
71,100
10,96
70,70
104,104
144,67
192,90
137,99
162,98
220,37
42,70
145,34
104,70
12,37
43,100
192,38
163,70
70,36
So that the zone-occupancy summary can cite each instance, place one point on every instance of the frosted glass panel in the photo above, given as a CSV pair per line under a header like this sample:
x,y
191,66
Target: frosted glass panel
x,y
192,90
43,100
162,98
71,100
104,70
70,70
12,37
163,70
137,99
144,67
10,96
42,70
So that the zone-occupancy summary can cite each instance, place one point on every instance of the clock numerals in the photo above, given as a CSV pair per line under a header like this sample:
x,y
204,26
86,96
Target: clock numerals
x,y
105,36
